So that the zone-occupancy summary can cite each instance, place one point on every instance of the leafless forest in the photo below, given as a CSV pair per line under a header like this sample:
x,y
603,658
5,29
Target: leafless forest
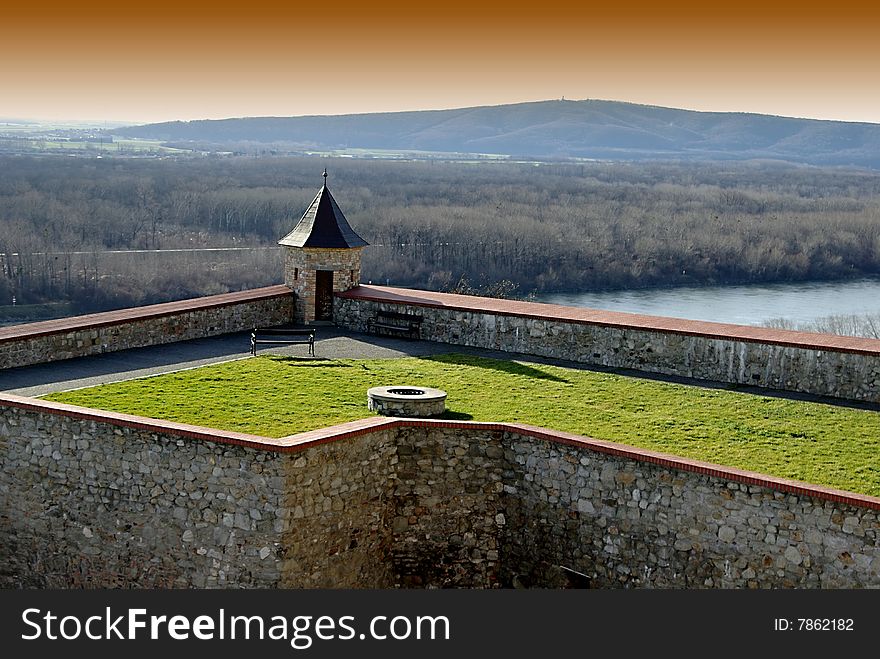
x,y
68,223
867,325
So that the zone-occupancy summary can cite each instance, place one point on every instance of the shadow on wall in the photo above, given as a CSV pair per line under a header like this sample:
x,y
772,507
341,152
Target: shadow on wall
x,y
511,367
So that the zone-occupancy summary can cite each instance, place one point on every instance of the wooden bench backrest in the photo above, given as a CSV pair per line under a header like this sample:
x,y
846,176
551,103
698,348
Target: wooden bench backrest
x,y
283,332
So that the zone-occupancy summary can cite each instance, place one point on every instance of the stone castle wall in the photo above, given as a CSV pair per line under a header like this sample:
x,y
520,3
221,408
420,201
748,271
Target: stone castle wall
x,y
95,499
338,512
448,508
99,500
843,367
625,522
80,336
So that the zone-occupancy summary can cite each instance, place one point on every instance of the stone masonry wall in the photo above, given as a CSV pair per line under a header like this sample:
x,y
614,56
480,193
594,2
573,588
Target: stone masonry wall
x,y
92,499
99,503
54,340
482,505
449,513
338,510
787,365
624,522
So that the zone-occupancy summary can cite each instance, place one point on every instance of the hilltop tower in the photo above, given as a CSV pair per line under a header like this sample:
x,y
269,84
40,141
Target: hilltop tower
x,y
322,255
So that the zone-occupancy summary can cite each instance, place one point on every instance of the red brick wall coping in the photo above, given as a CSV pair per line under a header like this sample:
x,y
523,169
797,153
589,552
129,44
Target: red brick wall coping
x,y
556,312
64,325
300,441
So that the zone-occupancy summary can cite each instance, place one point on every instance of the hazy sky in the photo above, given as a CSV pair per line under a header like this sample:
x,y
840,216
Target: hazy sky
x,y
159,61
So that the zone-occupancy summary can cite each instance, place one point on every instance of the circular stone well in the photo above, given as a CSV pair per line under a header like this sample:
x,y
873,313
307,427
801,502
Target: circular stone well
x,y
406,400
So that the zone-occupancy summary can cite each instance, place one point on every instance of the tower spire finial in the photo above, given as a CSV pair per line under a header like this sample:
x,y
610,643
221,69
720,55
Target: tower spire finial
x,y
325,177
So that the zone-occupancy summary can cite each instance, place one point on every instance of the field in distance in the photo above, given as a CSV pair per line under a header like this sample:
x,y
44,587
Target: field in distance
x,y
85,139
278,396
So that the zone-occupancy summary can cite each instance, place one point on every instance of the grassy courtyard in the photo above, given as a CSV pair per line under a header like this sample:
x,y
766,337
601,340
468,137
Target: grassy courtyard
x,y
277,396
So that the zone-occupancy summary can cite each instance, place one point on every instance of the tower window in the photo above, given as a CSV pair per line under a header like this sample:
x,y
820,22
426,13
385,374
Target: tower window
x,y
296,273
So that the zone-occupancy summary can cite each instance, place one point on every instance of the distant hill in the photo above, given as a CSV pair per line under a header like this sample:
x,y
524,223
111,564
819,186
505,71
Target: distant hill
x,y
587,129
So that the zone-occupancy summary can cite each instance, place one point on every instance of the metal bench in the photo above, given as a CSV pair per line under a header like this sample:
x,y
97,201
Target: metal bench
x,y
283,336
392,322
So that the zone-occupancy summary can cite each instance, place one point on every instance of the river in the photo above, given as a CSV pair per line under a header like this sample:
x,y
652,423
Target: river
x,y
745,305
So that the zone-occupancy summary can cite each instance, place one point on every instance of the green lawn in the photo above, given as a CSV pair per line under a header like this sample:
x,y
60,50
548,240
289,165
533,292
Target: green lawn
x,y
277,396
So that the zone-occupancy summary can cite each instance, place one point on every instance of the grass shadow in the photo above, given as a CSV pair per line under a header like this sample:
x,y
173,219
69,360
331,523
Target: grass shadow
x,y
449,415
323,362
505,366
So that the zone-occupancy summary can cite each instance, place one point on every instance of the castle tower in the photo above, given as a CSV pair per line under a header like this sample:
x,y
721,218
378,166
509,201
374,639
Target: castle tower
x,y
322,255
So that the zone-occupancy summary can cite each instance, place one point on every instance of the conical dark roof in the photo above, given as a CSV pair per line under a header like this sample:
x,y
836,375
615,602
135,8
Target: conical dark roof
x,y
323,225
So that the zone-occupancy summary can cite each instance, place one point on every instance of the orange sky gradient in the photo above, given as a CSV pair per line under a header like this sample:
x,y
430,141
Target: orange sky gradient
x,y
162,61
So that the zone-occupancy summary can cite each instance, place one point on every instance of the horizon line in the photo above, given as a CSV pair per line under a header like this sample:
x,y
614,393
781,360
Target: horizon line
x,y
120,123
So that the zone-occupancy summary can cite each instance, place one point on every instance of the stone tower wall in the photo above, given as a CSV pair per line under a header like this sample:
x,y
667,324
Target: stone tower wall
x,y
300,265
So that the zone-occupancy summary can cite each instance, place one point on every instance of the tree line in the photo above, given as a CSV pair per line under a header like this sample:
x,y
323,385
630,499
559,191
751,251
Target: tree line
x,y
865,325
538,227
